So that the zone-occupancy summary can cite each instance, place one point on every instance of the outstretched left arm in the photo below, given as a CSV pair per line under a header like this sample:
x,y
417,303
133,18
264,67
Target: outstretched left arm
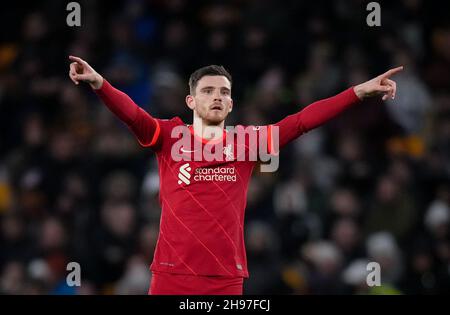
x,y
318,113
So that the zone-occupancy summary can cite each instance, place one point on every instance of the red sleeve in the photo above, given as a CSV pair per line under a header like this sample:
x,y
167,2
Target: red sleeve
x,y
311,117
145,127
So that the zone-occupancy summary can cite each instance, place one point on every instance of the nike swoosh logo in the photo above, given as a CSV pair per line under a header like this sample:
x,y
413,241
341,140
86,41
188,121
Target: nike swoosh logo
x,y
187,151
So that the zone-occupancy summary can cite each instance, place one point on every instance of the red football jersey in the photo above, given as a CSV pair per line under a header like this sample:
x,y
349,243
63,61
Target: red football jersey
x,y
203,205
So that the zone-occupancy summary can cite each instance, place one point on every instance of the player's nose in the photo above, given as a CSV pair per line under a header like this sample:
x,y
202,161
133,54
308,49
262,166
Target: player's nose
x,y
217,96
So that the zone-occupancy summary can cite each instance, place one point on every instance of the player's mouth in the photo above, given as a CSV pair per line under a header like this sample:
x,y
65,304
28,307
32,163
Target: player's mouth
x,y
217,107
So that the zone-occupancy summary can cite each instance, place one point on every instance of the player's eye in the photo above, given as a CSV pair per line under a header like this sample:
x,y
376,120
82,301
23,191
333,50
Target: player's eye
x,y
226,92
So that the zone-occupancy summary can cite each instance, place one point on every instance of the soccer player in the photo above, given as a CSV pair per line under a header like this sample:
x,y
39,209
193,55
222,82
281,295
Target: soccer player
x,y
200,248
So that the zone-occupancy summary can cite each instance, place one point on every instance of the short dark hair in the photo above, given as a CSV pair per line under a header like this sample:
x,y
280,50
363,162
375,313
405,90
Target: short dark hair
x,y
208,70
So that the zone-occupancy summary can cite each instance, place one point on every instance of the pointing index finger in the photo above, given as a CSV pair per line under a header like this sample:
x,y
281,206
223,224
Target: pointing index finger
x,y
391,72
77,59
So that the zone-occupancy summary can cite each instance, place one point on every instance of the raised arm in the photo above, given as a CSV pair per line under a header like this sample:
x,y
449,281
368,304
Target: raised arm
x,y
144,126
324,110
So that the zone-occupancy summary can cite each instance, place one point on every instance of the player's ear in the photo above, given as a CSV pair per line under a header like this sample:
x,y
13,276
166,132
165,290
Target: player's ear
x,y
231,106
190,101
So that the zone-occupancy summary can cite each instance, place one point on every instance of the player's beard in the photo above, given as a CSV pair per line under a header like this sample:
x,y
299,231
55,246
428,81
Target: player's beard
x,y
211,117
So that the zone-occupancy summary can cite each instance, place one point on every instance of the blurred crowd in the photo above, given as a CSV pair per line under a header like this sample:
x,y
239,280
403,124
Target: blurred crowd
x,y
372,185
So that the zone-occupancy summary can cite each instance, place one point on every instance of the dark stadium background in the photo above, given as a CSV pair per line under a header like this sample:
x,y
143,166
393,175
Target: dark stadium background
x,y
372,185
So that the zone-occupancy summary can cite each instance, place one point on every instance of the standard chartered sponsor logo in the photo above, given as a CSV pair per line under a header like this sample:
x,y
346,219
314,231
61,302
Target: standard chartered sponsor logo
x,y
218,174
184,175
206,174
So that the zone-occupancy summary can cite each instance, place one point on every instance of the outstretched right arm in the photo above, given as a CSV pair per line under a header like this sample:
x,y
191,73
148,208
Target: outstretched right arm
x,y
144,126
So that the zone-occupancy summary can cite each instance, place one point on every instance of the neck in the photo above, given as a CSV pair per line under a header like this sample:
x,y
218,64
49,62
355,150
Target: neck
x,y
207,131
